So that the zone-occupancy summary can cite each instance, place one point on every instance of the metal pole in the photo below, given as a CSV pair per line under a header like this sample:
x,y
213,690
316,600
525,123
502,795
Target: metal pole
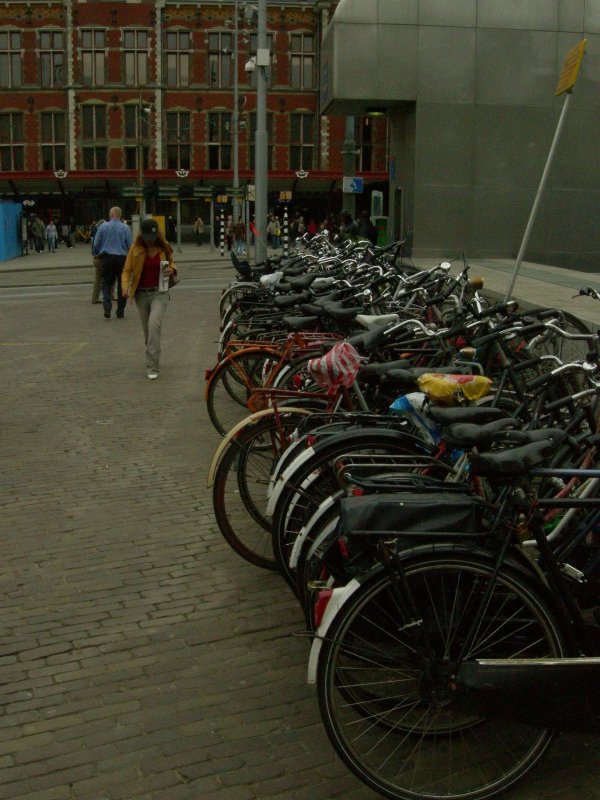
x,y
142,210
538,198
179,224
212,224
260,147
236,117
286,247
222,231
349,162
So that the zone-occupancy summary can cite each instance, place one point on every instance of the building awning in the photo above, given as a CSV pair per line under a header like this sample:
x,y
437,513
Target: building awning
x,y
19,186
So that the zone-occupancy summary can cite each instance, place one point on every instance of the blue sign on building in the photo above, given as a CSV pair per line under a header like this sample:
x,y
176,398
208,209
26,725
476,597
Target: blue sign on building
x,y
352,185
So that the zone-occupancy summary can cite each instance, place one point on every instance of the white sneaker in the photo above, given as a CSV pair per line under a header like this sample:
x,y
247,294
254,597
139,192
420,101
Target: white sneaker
x,y
152,374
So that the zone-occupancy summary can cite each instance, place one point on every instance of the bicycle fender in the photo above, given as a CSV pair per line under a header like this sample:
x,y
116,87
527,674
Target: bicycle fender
x,y
233,433
349,438
282,479
328,533
308,527
339,597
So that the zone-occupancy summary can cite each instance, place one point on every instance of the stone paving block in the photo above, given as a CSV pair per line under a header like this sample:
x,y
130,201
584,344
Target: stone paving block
x,y
139,656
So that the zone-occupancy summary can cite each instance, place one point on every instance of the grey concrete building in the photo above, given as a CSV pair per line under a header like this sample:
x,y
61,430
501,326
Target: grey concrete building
x,y
469,89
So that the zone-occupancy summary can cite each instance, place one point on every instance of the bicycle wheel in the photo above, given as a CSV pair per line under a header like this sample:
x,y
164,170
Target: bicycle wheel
x,y
411,737
232,384
241,480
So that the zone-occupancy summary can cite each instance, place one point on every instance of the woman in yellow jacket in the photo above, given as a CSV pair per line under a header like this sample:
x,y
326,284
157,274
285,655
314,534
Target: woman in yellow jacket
x,y
141,280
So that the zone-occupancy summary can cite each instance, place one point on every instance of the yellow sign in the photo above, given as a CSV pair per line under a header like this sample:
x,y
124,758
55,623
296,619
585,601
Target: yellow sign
x,y
285,195
173,199
222,198
570,70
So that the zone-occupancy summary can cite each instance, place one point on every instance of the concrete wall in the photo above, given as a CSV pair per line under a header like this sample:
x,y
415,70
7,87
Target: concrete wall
x,y
479,77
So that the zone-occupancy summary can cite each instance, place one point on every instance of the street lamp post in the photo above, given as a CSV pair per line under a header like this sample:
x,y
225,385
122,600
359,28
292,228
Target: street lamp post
x,y
236,117
260,148
141,119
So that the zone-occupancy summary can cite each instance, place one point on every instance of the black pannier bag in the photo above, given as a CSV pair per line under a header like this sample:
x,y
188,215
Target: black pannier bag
x,y
411,512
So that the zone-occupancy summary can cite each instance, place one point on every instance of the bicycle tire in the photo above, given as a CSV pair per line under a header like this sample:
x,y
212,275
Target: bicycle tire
x,y
386,727
231,385
243,468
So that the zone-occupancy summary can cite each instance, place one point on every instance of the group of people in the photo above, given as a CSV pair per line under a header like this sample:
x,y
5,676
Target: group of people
x,y
136,267
345,228
41,235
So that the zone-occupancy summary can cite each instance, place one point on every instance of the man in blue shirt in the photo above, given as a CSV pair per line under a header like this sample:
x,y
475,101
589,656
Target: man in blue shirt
x,y
111,244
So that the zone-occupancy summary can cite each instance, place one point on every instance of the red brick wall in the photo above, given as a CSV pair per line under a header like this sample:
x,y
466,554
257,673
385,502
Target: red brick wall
x,y
199,19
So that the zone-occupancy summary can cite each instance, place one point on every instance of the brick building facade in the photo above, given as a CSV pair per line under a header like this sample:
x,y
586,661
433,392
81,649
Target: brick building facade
x,y
110,93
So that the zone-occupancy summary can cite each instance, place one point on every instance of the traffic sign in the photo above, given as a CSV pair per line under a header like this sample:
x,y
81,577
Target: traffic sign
x,y
285,195
570,70
352,185
222,198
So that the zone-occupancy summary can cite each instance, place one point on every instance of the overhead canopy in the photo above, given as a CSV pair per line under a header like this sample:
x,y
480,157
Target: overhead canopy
x,y
369,57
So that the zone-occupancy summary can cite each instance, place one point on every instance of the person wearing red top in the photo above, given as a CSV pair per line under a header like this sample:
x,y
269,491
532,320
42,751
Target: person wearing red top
x,y
141,280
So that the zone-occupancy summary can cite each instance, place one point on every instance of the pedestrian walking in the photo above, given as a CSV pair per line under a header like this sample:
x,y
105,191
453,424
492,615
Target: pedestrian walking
x,y
51,237
31,245
97,261
65,233
112,243
199,231
239,238
141,280
229,232
171,229
39,233
274,231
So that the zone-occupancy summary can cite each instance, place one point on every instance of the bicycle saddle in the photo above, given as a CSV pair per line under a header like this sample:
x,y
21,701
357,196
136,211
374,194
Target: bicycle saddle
x,y
287,301
338,312
366,341
370,321
480,414
470,435
299,323
303,282
516,462
381,370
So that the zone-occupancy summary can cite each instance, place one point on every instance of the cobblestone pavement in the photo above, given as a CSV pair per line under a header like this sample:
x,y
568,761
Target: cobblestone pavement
x,y
139,656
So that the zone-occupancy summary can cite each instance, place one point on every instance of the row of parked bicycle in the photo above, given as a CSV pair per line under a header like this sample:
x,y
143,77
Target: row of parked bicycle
x,y
422,466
